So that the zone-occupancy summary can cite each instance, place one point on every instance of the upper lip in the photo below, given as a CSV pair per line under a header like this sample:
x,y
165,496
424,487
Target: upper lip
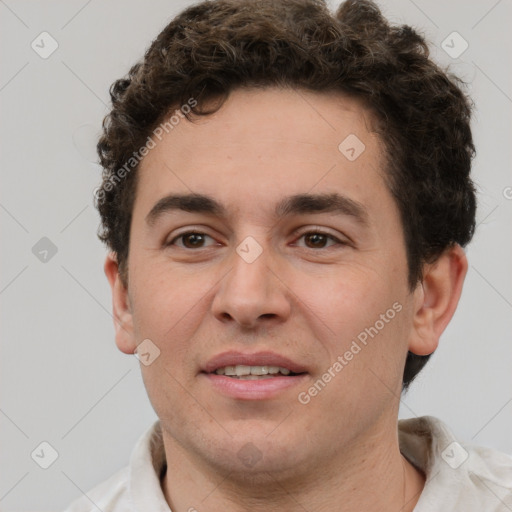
x,y
234,358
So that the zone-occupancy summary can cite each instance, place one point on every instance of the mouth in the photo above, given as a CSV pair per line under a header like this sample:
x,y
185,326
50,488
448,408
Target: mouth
x,y
244,372
259,376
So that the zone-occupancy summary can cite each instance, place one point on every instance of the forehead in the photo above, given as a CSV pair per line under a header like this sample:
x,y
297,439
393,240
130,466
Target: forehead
x,y
263,142
287,116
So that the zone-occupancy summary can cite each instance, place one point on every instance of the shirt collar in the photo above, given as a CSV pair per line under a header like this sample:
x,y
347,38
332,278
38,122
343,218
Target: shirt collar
x,y
147,464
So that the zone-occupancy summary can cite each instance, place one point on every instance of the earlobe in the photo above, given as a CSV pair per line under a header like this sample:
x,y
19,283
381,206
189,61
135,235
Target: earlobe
x,y
437,297
121,307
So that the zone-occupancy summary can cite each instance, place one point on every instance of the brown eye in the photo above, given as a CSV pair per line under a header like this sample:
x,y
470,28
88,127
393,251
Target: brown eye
x,y
193,240
318,240
190,240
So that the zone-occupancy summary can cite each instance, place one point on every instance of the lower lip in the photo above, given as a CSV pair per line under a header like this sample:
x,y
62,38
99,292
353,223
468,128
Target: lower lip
x,y
261,389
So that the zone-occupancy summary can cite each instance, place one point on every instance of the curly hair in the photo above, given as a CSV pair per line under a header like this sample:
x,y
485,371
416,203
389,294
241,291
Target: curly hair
x,y
216,46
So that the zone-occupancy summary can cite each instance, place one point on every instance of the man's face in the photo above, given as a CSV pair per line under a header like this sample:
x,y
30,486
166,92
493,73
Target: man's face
x,y
264,289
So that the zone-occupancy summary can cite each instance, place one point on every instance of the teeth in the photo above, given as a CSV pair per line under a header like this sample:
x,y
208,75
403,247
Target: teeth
x,y
258,370
253,377
241,370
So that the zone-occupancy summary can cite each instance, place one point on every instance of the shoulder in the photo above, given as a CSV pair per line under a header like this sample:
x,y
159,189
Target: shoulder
x,y
459,475
129,489
110,495
479,478
489,468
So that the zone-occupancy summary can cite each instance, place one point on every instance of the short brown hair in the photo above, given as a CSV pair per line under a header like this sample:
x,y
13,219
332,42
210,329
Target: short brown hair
x,y
217,46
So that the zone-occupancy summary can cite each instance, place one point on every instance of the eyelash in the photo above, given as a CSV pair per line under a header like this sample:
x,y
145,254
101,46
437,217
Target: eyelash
x,y
313,232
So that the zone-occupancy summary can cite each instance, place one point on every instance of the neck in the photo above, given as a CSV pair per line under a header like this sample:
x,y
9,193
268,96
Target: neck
x,y
368,475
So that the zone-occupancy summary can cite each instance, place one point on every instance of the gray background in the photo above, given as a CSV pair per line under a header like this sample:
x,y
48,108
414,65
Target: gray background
x,y
62,378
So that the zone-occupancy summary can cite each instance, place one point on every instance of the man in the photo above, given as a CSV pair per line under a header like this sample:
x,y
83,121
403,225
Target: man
x,y
286,196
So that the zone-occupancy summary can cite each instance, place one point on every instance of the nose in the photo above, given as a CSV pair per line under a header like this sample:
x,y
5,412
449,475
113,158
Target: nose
x,y
252,294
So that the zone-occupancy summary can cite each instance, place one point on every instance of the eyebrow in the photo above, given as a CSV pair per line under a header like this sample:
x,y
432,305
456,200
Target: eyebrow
x,y
292,205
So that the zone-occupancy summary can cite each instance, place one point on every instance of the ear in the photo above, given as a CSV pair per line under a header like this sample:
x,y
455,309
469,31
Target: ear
x,y
123,320
437,297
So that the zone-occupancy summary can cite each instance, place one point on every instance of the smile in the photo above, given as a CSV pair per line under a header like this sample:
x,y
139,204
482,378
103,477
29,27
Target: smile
x,y
245,372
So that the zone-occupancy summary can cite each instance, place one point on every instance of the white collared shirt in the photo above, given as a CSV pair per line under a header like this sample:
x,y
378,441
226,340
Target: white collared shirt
x,y
459,477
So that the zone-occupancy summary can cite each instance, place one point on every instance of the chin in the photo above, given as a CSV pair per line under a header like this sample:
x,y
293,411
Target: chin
x,y
259,460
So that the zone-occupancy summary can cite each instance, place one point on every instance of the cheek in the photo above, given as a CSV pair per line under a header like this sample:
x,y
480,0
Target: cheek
x,y
349,300
364,320
165,301
167,310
